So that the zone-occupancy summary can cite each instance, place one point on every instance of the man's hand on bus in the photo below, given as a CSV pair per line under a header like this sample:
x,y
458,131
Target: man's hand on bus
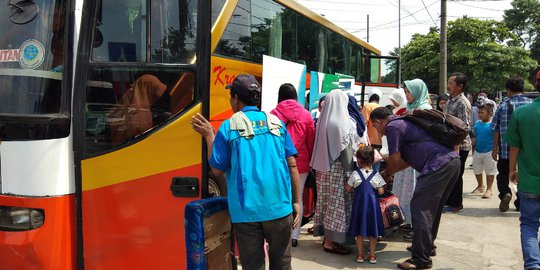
x,y
297,214
202,126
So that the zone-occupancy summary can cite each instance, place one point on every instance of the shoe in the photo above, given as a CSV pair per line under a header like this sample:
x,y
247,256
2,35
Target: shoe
x,y
338,249
411,265
451,209
487,195
310,230
478,190
405,228
294,243
372,259
408,236
432,254
504,205
361,258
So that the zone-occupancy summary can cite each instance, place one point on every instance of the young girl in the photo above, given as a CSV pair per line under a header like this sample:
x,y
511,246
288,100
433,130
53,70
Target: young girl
x,y
366,217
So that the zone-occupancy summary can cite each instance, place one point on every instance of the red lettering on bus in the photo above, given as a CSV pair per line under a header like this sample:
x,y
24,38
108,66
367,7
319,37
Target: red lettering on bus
x,y
221,77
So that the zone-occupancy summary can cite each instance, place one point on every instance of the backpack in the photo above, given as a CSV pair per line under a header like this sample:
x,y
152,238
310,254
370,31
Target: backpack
x,y
391,211
446,129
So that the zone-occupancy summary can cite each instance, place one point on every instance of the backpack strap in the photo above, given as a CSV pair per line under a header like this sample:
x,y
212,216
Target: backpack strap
x,y
359,171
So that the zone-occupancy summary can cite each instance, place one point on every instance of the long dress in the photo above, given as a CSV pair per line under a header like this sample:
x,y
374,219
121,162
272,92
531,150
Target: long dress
x,y
366,216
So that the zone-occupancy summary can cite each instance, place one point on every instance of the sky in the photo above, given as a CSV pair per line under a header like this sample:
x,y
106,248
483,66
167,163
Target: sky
x,y
417,16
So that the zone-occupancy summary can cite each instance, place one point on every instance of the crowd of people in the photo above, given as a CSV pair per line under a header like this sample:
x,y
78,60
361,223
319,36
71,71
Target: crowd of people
x,y
342,147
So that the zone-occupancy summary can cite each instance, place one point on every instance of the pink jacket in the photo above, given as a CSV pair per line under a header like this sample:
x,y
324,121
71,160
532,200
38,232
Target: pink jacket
x,y
301,128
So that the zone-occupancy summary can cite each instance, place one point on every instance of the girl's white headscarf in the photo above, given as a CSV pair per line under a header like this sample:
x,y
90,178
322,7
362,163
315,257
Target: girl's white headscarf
x,y
333,131
398,95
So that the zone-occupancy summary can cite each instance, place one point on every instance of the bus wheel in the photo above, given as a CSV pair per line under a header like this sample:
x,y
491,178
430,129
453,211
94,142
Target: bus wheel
x,y
216,188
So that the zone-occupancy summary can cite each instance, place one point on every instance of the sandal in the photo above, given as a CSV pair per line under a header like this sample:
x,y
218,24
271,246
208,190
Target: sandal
x,y
338,249
478,190
486,195
411,265
408,236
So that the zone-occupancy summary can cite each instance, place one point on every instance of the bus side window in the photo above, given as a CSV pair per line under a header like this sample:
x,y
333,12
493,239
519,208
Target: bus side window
x,y
122,27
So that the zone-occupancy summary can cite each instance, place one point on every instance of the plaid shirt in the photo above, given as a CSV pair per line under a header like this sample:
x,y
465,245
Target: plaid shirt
x,y
502,117
460,107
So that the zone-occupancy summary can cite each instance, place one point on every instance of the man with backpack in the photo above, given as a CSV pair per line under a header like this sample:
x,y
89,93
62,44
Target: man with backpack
x,y
438,164
459,106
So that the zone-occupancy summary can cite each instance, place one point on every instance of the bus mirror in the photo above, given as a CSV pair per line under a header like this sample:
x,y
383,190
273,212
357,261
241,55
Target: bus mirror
x,y
22,12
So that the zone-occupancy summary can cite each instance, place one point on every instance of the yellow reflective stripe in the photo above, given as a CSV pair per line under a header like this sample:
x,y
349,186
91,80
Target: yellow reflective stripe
x,y
172,147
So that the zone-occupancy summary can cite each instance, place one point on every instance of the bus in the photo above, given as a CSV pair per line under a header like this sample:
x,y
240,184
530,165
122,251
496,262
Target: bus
x,y
97,157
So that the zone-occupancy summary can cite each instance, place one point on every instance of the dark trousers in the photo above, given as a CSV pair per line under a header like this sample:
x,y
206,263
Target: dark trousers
x,y
427,203
250,237
503,166
456,196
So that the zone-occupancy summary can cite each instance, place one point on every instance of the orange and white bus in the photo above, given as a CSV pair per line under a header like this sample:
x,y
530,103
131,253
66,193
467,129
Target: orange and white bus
x,y
97,156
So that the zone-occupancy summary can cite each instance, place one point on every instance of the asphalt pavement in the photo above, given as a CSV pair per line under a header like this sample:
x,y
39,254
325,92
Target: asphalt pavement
x,y
479,237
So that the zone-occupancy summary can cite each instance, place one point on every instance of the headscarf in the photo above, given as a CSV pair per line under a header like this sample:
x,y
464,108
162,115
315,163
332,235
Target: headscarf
x,y
332,134
136,108
355,114
420,94
398,95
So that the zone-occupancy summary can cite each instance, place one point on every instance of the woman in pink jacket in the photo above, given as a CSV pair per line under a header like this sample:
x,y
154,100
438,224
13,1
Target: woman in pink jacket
x,y
301,128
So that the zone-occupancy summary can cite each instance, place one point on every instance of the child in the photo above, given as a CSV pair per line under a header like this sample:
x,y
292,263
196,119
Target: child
x,y
483,145
366,217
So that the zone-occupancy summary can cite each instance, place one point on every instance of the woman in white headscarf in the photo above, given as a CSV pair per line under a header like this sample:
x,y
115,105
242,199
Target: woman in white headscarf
x,y
337,137
399,100
416,97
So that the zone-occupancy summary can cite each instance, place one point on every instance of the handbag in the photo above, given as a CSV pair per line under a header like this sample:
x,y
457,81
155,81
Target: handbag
x,y
392,214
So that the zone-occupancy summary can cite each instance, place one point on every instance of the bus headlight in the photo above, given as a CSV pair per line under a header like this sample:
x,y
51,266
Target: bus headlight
x,y
20,219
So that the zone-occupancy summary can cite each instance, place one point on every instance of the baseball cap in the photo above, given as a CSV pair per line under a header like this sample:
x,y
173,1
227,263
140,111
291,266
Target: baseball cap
x,y
245,85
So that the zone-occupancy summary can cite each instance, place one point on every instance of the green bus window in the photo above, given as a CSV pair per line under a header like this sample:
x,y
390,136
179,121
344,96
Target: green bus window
x,y
174,35
273,31
374,74
308,34
236,39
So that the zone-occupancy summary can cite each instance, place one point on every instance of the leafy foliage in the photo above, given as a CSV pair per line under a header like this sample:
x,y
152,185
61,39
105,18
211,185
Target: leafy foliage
x,y
485,50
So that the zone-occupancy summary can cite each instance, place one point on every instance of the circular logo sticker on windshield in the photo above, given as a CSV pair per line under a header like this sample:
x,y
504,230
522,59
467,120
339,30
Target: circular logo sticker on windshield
x,y
31,54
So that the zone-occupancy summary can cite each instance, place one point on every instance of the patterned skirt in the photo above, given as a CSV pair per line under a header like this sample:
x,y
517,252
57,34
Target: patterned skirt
x,y
403,188
333,208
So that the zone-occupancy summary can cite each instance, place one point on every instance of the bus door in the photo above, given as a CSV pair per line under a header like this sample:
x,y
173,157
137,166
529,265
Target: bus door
x,y
143,74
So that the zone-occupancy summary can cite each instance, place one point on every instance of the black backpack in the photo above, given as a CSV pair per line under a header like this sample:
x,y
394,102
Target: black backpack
x,y
444,128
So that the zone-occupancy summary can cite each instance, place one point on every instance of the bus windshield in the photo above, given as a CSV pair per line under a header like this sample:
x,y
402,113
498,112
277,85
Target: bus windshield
x,y
31,59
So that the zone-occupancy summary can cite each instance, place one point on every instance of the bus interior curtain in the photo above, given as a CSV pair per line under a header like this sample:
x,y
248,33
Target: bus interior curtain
x,y
321,50
276,36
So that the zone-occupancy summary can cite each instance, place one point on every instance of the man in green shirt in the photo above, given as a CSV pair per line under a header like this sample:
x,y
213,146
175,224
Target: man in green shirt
x,y
522,136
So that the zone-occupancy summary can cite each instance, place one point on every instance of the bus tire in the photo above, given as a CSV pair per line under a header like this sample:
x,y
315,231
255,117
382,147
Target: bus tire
x,y
216,187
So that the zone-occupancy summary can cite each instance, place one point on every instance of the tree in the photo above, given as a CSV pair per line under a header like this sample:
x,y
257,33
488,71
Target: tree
x,y
524,20
485,50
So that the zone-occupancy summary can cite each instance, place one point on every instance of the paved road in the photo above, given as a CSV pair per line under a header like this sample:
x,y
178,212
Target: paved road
x,y
479,237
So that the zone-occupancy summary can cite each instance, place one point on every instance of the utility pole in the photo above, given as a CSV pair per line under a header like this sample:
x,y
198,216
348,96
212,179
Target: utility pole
x,y
399,41
368,28
443,56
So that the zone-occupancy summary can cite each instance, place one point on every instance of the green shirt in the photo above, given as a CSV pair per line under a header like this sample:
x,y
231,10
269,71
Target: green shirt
x,y
523,132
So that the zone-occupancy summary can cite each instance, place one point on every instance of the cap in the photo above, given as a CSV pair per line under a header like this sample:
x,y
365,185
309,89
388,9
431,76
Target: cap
x,y
245,85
